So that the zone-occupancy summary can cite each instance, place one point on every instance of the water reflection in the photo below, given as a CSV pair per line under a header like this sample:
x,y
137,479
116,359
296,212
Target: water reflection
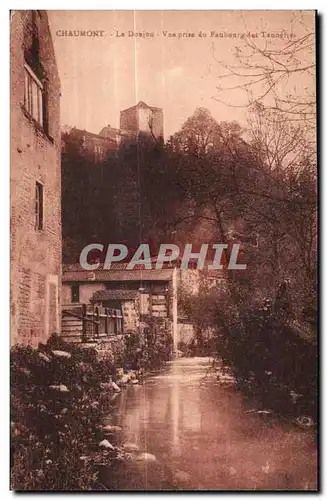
x,y
203,439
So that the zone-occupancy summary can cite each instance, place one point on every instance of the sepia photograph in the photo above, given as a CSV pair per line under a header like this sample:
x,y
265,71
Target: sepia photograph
x,y
163,251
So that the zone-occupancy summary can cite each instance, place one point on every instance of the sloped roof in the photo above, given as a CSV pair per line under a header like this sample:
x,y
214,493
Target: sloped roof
x,y
79,132
102,295
117,266
118,272
141,104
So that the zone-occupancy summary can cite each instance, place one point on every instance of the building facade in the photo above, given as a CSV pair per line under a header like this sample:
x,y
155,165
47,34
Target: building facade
x,y
143,118
139,294
138,121
97,148
35,180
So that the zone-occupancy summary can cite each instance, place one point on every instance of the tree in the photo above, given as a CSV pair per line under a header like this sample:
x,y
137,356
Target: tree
x,y
215,168
270,71
286,221
199,135
261,191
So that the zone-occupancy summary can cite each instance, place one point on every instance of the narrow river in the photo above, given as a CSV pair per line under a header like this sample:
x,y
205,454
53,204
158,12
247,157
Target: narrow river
x,y
202,436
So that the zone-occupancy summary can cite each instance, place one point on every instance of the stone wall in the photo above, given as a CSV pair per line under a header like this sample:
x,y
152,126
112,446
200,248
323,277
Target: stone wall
x,y
157,122
142,118
95,147
129,119
66,294
86,291
35,157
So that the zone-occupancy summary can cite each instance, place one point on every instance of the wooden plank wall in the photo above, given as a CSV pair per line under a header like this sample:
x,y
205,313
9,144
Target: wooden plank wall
x,y
88,323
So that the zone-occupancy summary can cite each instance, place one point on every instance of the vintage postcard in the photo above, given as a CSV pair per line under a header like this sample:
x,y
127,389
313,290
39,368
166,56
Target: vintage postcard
x,y
163,251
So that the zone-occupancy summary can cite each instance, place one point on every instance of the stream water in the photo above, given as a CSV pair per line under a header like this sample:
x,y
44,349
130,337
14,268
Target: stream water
x,y
202,436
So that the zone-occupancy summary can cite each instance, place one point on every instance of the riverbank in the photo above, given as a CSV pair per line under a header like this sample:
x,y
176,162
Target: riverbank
x,y
60,394
81,424
200,434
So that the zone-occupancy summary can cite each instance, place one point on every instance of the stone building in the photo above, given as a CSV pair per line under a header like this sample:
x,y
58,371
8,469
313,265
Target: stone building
x,y
118,284
138,121
112,133
143,118
96,147
35,180
139,294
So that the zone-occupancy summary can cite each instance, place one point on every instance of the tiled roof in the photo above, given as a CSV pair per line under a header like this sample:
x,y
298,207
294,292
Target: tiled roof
x,y
101,295
71,273
115,266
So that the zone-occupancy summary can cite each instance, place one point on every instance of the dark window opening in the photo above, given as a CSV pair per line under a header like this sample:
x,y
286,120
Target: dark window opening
x,y
75,293
32,50
113,304
35,96
39,206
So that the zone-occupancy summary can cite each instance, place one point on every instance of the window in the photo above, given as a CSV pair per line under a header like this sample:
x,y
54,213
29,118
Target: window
x,y
99,153
75,293
33,95
39,200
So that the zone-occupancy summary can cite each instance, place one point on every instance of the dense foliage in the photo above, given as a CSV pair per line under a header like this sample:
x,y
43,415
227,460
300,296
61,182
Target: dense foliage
x,y
216,182
272,355
58,402
53,429
149,350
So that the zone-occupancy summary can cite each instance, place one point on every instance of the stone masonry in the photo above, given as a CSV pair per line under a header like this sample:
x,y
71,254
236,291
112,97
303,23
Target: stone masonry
x,y
35,164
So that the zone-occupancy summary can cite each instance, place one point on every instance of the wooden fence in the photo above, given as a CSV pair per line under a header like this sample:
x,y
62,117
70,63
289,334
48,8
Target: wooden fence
x,y
88,323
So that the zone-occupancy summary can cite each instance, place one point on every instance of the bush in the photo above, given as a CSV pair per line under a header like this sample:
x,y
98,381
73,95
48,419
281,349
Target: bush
x,y
150,349
54,433
254,336
270,360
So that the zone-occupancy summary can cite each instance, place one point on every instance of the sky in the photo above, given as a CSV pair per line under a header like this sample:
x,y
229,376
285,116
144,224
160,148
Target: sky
x,y
100,76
